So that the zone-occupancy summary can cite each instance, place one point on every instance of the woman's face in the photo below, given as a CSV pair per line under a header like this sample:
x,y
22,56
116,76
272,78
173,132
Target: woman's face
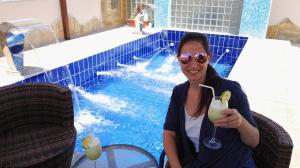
x,y
193,70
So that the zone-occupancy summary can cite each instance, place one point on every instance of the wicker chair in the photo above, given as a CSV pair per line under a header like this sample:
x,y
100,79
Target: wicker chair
x,y
36,126
275,145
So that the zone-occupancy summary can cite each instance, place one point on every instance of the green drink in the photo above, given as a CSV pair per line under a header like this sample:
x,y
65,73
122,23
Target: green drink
x,y
215,109
92,148
93,152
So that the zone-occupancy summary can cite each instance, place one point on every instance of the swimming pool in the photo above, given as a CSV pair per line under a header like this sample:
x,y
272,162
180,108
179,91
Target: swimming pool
x,y
130,104
118,90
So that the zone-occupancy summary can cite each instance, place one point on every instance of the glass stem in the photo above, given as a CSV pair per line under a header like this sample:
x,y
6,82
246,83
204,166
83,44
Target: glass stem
x,y
95,165
214,135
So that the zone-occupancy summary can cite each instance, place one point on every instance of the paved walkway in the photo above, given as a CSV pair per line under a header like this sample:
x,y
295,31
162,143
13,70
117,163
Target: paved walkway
x,y
268,71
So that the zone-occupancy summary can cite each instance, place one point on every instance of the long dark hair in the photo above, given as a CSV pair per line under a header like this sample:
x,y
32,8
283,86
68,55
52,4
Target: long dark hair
x,y
212,77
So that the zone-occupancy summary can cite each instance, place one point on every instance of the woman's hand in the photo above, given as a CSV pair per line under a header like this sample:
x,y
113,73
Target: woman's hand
x,y
232,119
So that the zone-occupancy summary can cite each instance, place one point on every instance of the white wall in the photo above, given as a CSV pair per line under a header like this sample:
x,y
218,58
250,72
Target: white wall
x,y
84,10
48,11
281,9
45,11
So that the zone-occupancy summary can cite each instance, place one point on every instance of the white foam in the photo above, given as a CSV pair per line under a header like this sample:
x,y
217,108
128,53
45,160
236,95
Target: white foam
x,y
167,66
109,73
172,78
140,67
108,102
164,91
84,120
167,72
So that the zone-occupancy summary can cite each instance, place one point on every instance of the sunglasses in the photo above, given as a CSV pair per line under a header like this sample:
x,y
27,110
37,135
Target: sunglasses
x,y
185,58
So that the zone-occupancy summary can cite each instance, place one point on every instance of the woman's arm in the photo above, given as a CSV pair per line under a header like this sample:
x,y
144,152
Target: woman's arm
x,y
170,148
233,119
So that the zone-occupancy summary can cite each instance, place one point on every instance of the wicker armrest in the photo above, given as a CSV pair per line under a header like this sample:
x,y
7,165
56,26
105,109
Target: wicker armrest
x,y
275,145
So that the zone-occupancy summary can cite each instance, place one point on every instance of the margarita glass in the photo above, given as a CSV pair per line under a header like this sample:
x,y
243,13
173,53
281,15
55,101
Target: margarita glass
x,y
216,107
92,148
215,110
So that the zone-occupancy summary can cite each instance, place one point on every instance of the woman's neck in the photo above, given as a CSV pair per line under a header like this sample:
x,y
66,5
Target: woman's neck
x,y
195,84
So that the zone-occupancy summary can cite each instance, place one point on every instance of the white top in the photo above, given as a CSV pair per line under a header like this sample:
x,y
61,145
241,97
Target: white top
x,y
193,128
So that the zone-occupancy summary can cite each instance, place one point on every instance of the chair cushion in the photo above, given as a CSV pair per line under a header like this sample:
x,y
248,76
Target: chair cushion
x,y
29,145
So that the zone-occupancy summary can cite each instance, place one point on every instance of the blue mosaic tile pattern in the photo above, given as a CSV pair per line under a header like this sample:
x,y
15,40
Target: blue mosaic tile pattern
x,y
162,13
84,72
255,17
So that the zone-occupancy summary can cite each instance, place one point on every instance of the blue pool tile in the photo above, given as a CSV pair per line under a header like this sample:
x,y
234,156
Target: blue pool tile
x,y
93,61
110,54
221,41
82,76
81,66
103,57
92,73
86,63
86,75
100,67
20,82
226,41
230,41
41,78
77,80
61,73
74,79
90,62
76,67
72,68
63,83
234,52
238,52
27,80
98,60
34,79
53,75
236,42
46,79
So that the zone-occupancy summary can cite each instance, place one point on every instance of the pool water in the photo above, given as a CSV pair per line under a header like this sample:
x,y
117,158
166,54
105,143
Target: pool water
x,y
130,104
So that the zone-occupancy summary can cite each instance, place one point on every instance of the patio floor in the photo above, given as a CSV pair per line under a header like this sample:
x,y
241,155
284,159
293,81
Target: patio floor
x,y
268,71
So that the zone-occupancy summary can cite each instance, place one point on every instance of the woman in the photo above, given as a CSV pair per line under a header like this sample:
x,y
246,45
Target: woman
x,y
187,124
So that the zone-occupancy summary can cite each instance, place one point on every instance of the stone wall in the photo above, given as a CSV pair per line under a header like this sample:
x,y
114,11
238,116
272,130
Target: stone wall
x,y
285,30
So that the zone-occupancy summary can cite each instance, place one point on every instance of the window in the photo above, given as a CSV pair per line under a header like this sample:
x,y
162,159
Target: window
x,y
208,15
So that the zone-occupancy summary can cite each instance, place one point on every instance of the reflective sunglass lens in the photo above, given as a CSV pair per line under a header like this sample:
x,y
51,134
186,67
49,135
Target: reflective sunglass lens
x,y
201,57
185,58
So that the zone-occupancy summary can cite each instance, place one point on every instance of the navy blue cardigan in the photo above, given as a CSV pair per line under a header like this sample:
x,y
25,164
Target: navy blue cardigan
x,y
233,153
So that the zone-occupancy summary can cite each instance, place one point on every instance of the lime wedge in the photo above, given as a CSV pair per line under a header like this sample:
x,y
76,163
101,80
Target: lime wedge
x,y
86,141
225,96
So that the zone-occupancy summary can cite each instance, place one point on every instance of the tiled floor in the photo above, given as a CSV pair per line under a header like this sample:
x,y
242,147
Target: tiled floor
x,y
268,71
